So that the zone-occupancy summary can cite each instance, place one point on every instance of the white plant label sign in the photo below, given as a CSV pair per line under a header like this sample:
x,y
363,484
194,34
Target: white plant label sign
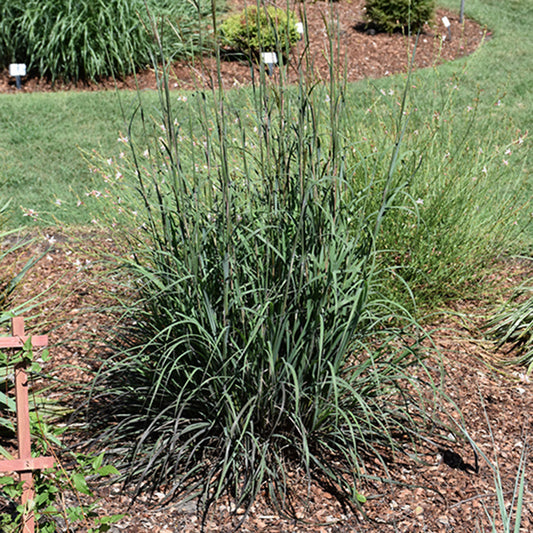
x,y
17,69
269,58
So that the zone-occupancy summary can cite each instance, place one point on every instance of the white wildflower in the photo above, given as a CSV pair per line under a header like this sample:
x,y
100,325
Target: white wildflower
x,y
29,213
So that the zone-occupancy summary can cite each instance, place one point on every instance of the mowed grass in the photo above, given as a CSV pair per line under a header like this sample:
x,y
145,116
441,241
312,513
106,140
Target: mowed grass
x,y
43,136
41,141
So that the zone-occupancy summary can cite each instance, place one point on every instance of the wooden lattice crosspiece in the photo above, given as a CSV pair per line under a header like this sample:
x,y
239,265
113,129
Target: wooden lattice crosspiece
x,y
25,464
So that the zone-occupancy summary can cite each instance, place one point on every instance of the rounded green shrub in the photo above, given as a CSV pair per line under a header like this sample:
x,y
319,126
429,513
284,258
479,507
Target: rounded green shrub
x,y
254,30
88,39
400,15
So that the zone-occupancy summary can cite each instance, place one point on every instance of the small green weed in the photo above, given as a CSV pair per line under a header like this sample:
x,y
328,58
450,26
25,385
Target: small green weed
x,y
506,515
11,243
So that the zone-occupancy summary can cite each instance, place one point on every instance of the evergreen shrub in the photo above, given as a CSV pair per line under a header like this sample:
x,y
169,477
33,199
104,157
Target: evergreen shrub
x,y
400,15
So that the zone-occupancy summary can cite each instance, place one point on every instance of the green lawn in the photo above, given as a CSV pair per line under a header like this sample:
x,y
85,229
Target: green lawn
x,y
43,135
40,147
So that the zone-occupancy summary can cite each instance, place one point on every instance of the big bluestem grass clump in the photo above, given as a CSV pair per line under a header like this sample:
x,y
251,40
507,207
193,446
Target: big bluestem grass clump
x,y
271,233
87,39
257,339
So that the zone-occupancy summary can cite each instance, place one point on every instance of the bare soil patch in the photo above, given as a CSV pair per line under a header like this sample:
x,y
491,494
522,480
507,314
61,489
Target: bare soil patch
x,y
363,52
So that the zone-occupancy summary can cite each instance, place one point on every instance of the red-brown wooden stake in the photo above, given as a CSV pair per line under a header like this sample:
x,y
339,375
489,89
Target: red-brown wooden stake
x,y
25,464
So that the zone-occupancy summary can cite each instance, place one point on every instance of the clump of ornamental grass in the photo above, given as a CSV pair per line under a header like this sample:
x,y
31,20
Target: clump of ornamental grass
x,y
513,325
257,340
466,197
88,39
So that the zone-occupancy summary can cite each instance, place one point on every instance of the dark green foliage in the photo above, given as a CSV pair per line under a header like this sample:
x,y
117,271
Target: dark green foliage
x,y
255,30
258,341
404,15
87,39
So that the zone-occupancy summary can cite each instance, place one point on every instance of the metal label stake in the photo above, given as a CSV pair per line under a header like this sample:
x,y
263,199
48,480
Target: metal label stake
x,y
17,70
447,25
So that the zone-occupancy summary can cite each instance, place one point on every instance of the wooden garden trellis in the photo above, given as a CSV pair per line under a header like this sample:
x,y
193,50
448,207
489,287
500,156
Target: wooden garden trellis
x,y
25,464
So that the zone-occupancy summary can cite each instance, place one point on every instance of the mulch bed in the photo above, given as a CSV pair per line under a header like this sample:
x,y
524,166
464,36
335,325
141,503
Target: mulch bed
x,y
438,495
363,52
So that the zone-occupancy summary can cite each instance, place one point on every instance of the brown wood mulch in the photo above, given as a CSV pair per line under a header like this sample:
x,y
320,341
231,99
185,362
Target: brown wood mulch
x,y
363,52
435,494
439,495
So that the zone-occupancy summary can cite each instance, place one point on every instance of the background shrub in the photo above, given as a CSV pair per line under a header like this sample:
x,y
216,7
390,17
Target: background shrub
x,y
256,30
86,39
394,15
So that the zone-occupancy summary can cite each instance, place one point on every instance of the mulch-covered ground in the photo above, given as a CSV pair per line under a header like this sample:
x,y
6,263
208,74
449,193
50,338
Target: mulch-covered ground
x,y
440,494
362,51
